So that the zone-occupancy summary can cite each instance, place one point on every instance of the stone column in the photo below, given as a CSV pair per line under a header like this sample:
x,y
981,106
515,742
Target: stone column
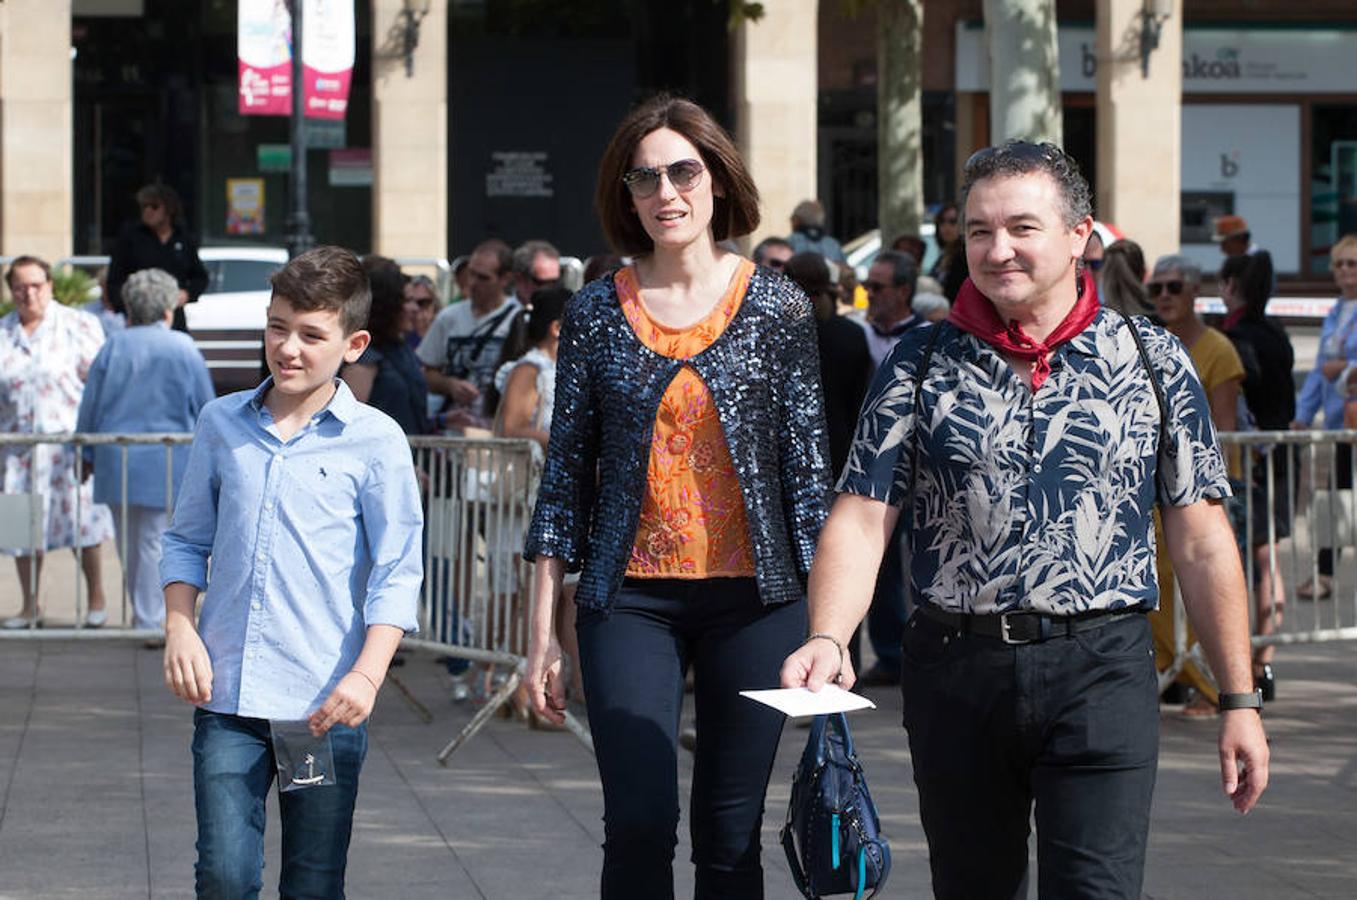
x,y
1024,67
36,167
776,88
899,104
409,134
1140,128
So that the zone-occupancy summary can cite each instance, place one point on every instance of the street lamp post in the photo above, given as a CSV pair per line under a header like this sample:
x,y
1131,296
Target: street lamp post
x,y
299,237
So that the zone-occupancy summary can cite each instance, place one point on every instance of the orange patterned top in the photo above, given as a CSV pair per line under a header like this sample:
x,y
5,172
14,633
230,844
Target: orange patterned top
x,y
692,515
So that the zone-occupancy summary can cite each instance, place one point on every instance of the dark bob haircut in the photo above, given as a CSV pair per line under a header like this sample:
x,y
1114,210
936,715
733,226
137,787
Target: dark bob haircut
x,y
734,215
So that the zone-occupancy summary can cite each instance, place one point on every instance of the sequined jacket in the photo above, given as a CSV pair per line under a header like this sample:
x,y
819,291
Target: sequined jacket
x,y
763,372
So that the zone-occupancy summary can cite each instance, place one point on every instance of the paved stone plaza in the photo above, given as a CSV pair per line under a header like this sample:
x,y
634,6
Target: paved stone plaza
x,y
96,787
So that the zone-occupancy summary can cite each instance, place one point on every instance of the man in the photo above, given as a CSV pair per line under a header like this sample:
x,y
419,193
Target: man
x,y
536,265
808,232
890,285
1028,478
463,344
1232,233
1173,290
773,252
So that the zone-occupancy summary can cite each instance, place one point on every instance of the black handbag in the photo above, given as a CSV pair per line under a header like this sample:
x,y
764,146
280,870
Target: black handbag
x,y
833,835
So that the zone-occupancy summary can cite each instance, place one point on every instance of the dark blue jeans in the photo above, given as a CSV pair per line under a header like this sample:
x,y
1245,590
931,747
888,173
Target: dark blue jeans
x,y
233,769
889,610
1071,724
633,661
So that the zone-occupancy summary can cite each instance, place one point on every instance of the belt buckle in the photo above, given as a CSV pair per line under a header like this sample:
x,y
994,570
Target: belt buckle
x,y
1005,633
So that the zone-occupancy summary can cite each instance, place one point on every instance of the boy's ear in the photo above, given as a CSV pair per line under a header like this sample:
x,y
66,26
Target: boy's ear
x,y
357,343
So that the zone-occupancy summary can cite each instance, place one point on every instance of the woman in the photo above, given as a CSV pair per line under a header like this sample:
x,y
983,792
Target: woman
x,y
1322,389
420,290
947,235
1270,396
689,382
46,351
1121,279
158,240
388,375
146,378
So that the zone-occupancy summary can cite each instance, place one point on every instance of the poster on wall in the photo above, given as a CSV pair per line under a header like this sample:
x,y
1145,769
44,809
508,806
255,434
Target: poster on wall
x,y
264,57
244,206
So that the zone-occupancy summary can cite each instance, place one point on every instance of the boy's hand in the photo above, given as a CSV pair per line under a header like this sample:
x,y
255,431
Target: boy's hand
x,y
350,703
188,668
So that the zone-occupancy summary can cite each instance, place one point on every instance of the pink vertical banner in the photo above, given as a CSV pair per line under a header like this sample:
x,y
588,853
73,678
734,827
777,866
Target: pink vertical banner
x,y
327,57
264,57
264,51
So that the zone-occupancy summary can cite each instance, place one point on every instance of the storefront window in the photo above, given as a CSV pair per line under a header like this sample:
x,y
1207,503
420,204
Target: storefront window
x,y
1333,180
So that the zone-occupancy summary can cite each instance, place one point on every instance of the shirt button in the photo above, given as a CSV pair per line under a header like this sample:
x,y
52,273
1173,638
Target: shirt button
x,y
256,605
1036,468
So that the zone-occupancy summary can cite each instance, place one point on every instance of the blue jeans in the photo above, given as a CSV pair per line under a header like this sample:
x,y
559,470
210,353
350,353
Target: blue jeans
x,y
633,660
889,610
233,769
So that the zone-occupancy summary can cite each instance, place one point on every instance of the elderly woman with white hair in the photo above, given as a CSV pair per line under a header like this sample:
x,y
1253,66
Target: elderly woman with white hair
x,y
145,379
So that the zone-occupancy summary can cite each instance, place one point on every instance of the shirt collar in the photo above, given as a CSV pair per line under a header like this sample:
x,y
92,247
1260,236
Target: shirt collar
x,y
898,329
343,405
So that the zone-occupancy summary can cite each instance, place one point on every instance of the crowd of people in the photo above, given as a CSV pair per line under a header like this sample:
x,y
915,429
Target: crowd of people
x,y
741,465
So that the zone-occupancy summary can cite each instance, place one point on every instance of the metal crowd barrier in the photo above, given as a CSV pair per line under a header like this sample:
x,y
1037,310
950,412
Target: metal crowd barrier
x,y
478,496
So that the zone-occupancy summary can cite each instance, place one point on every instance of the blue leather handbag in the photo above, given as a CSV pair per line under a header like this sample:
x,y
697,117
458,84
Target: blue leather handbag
x,y
833,835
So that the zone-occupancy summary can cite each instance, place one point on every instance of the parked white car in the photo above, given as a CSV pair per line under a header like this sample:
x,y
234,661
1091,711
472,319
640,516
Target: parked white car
x,y
862,250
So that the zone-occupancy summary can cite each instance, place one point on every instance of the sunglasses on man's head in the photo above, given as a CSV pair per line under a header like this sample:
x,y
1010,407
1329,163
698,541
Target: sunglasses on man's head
x,y
1017,150
645,181
1156,288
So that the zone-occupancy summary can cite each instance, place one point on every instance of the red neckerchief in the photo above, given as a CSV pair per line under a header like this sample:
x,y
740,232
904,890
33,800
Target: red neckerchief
x,y
1233,318
973,312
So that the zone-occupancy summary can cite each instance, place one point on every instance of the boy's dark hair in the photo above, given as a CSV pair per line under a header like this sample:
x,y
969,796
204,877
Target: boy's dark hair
x,y
734,215
387,284
1025,157
326,278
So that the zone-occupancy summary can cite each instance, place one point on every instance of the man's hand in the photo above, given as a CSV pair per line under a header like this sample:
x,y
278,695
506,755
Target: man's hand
x,y
815,664
462,392
350,703
1243,757
188,668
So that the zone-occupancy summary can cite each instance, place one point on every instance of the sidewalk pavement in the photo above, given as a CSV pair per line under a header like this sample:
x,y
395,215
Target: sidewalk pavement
x,y
96,792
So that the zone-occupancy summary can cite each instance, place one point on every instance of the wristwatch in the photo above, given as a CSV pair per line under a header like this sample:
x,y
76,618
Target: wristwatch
x,y
1251,700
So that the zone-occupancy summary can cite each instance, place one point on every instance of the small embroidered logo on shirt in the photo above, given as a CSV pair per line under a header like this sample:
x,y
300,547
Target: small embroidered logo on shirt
x,y
322,472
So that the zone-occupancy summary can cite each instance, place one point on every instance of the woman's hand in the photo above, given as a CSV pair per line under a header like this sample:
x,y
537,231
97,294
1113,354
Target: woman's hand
x,y
545,680
1332,368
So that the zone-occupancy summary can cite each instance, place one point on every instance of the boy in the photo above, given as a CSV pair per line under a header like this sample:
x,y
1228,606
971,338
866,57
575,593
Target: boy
x,y
306,503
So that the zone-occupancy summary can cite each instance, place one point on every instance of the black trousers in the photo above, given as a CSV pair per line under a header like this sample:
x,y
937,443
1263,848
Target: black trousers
x,y
633,661
1342,470
1071,724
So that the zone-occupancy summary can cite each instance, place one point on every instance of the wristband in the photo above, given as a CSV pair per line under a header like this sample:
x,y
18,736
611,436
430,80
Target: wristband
x,y
367,676
1251,700
820,635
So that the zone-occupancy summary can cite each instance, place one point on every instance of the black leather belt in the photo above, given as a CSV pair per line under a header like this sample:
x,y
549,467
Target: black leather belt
x,y
1025,627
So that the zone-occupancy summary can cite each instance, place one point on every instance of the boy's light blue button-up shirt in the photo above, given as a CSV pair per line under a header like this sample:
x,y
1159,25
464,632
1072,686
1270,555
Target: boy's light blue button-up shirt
x,y
311,541
147,378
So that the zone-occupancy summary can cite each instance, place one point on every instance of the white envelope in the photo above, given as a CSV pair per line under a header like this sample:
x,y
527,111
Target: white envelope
x,y
797,702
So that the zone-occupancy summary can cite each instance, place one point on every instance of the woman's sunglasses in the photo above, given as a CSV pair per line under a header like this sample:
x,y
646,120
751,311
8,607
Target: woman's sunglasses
x,y
1155,288
645,181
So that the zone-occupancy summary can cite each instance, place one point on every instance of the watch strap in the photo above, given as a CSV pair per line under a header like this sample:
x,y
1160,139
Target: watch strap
x,y
1250,700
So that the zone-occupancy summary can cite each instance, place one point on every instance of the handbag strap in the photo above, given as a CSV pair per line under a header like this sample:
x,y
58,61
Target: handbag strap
x,y
793,863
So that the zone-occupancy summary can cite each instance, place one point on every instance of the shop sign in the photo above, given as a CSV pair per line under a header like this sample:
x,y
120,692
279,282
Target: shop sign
x,y
351,167
518,174
264,51
1215,60
244,206
273,157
